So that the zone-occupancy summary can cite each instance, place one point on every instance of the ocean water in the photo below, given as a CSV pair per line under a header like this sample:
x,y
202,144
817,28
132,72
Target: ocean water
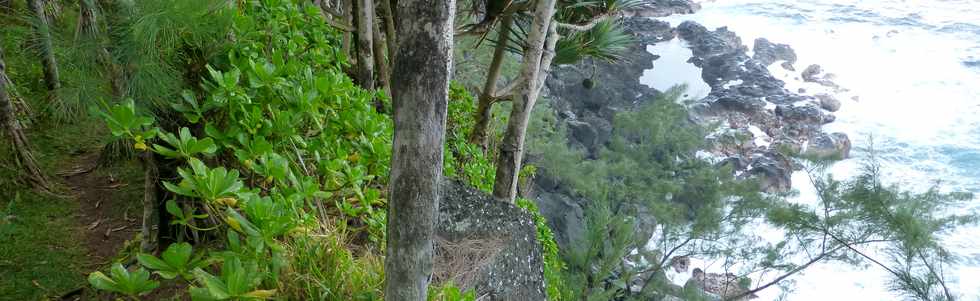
x,y
912,69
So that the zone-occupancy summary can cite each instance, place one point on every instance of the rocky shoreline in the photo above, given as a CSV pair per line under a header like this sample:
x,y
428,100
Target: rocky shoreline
x,y
756,121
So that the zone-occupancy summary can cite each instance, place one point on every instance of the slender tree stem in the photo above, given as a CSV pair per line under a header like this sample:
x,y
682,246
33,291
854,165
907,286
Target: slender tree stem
x,y
348,9
542,39
384,75
150,179
485,101
391,39
365,41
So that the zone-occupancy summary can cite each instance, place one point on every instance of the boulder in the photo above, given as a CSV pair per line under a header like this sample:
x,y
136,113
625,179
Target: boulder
x,y
729,101
828,146
565,217
584,132
766,53
787,98
814,74
810,73
828,102
487,245
772,170
804,114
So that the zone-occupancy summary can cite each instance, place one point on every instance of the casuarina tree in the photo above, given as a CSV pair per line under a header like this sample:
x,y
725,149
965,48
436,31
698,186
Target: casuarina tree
x,y
419,84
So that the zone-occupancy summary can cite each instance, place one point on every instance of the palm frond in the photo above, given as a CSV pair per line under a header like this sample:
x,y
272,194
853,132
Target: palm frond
x,y
606,41
619,5
517,39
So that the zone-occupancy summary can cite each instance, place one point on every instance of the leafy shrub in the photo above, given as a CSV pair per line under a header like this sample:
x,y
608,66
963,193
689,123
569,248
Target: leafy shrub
x,y
554,266
279,142
280,154
463,160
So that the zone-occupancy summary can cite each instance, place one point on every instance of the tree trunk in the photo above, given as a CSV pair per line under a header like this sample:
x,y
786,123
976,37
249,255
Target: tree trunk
x,y
384,75
20,145
389,22
420,86
348,9
512,147
150,179
481,129
365,49
43,32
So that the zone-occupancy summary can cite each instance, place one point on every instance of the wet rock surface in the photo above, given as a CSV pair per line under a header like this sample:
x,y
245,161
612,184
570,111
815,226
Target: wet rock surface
x,y
767,53
744,94
815,74
663,8
492,246
828,146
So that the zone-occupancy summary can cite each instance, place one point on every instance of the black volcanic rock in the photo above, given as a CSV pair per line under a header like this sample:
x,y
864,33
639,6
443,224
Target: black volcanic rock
x,y
663,8
767,52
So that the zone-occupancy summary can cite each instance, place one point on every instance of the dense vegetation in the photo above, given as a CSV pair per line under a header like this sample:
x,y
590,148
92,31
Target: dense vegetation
x,y
257,146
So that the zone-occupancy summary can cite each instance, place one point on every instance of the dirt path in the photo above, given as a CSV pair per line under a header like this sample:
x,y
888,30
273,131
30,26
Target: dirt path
x,y
108,218
108,215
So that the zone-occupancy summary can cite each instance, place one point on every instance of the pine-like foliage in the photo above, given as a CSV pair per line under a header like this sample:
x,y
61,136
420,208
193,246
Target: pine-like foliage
x,y
649,171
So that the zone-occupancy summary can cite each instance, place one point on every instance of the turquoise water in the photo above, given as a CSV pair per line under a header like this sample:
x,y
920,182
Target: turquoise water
x,y
913,73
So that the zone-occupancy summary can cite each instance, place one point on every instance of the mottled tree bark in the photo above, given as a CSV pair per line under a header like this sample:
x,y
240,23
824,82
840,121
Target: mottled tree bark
x,y
365,49
420,88
481,129
43,31
18,141
511,153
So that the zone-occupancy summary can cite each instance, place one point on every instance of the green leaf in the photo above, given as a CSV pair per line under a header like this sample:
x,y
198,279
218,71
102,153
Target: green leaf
x,y
215,287
201,294
172,207
122,281
153,263
102,282
178,255
261,294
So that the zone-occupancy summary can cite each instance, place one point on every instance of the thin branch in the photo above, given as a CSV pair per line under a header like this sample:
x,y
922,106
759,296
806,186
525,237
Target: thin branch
x,y
849,246
807,264
508,91
784,276
939,277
